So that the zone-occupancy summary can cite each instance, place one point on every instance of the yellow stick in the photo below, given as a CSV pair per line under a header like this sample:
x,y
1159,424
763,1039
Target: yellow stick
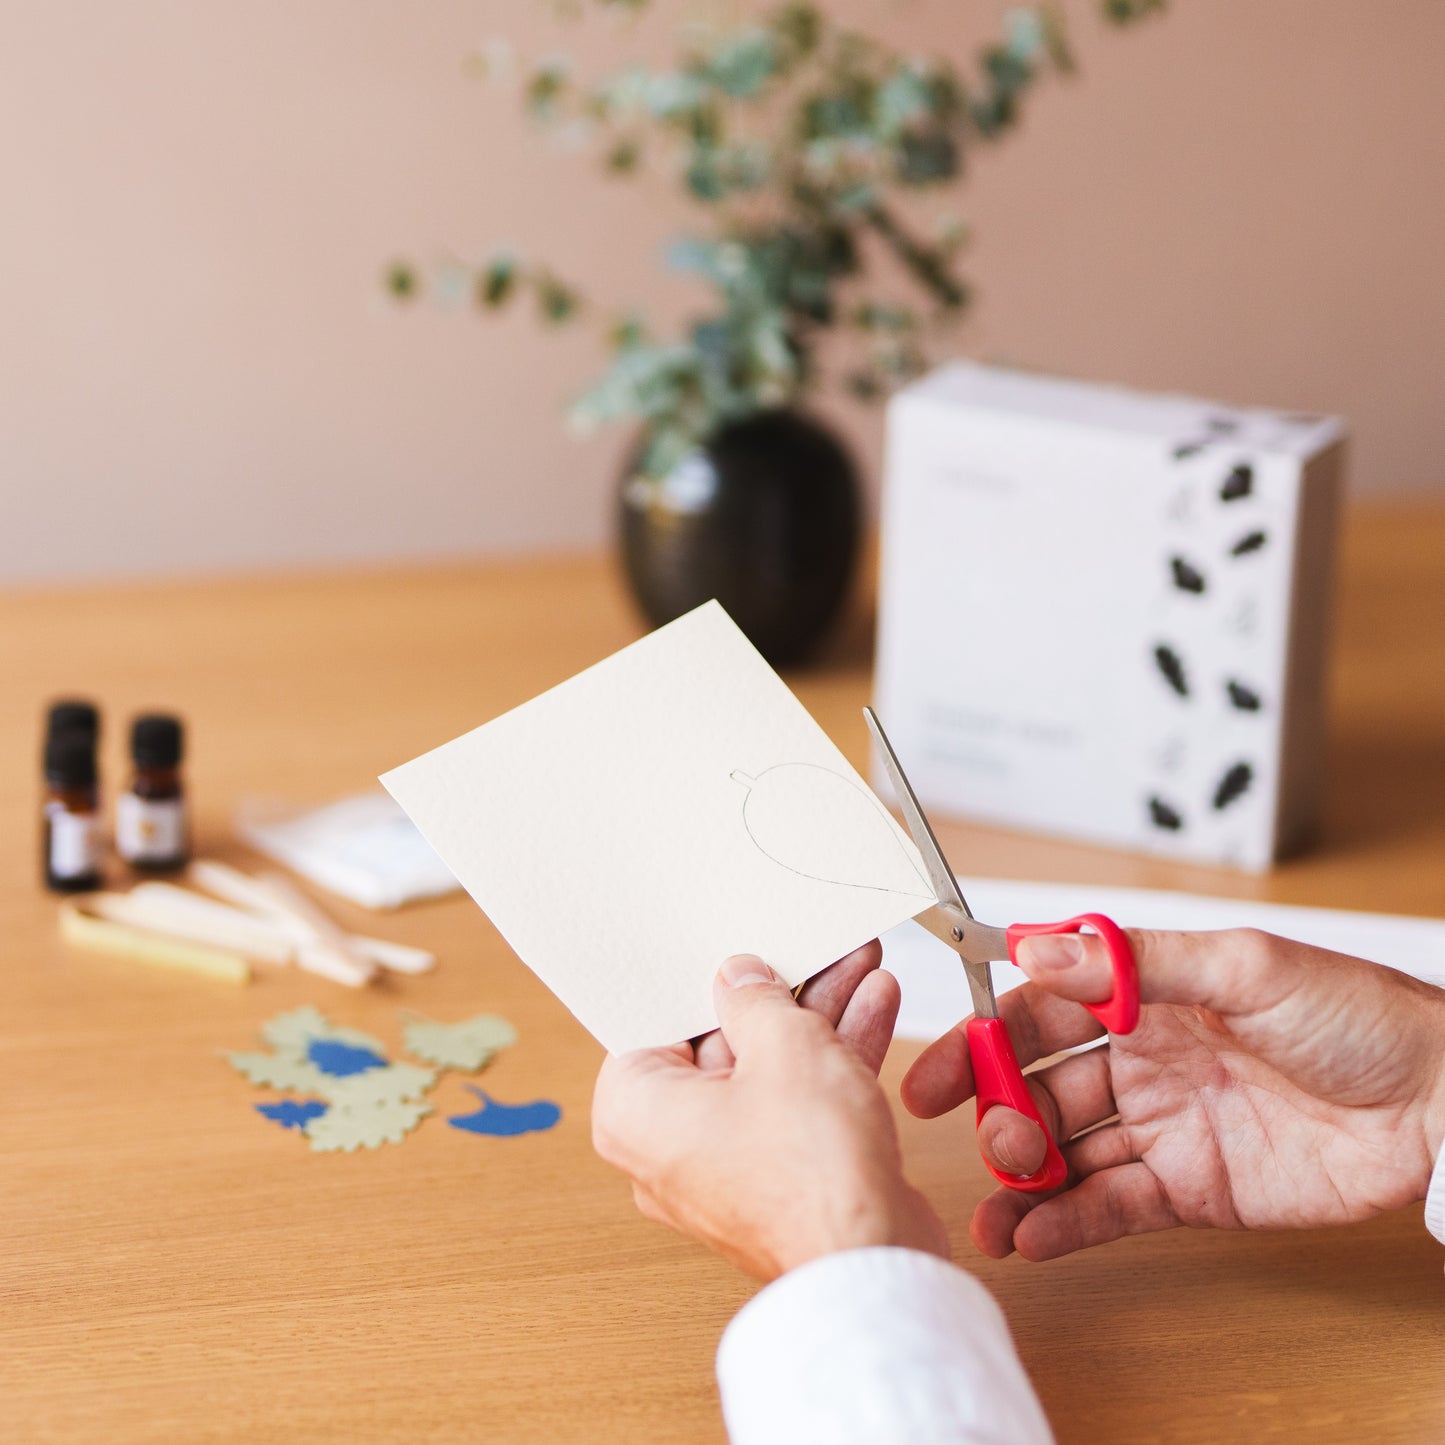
x,y
83,924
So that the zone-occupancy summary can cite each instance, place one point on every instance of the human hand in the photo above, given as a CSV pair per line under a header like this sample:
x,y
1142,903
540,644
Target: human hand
x,y
771,1141
1268,1085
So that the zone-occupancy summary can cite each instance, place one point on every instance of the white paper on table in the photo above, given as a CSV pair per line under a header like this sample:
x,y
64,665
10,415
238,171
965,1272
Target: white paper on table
x,y
363,848
629,829
935,992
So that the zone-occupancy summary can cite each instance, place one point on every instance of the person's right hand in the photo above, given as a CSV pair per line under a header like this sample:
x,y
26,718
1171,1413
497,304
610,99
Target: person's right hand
x,y
1267,1085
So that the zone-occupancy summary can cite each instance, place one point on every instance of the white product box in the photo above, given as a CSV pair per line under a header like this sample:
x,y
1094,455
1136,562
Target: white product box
x,y
1104,614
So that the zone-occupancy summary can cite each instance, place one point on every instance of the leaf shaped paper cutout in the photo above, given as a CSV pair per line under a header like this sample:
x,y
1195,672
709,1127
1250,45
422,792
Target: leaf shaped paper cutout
x,y
391,1085
291,1114
341,1060
507,1120
292,1033
279,1071
469,1045
364,1126
813,821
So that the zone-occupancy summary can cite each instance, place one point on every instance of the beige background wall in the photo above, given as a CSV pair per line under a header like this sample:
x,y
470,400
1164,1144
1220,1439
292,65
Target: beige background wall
x,y
198,370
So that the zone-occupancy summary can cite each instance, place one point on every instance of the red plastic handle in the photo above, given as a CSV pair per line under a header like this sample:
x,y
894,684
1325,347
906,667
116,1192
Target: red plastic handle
x,y
1119,1013
997,1079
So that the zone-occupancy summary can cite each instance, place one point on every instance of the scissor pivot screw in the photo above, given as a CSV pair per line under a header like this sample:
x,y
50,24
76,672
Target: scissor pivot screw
x,y
957,934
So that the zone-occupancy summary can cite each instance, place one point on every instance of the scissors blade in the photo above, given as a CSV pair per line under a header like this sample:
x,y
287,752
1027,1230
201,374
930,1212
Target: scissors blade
x,y
971,943
950,921
940,875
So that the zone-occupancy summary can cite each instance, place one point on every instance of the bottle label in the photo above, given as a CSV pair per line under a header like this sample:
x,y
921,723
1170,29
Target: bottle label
x,y
74,842
149,830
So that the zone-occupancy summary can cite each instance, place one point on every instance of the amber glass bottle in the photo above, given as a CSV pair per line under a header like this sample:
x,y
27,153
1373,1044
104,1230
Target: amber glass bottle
x,y
71,837
151,830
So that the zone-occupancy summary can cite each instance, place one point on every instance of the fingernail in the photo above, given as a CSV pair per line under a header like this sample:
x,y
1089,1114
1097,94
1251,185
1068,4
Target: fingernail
x,y
743,969
1054,950
1003,1158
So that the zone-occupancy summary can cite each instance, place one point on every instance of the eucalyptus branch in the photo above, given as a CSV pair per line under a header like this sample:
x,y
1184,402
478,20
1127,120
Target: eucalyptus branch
x,y
802,141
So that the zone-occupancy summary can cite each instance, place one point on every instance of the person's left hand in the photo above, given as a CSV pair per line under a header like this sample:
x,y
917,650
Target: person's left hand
x,y
771,1141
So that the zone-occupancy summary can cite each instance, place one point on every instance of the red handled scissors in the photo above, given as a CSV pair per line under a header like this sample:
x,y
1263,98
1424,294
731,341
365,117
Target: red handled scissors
x,y
996,1074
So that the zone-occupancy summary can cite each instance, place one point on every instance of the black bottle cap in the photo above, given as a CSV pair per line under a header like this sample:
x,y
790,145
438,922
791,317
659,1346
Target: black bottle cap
x,y
156,740
73,715
70,760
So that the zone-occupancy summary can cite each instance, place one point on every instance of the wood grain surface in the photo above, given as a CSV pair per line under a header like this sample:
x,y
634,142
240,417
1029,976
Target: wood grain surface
x,y
175,1268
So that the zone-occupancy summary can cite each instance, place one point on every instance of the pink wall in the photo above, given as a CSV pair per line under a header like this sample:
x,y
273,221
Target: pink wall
x,y
198,370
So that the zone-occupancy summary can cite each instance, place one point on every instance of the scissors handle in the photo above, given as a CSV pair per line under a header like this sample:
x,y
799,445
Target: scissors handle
x,y
997,1079
1119,1013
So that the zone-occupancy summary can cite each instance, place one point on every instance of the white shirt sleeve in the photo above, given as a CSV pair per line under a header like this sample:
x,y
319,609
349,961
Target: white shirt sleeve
x,y
875,1345
1435,1198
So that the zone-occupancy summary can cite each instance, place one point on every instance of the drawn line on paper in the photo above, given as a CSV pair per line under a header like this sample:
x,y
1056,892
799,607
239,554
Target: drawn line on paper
x,y
784,789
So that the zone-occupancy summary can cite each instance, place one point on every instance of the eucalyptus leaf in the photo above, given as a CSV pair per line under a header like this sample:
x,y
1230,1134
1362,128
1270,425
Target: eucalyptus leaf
x,y
624,156
743,64
402,280
546,87
497,281
556,301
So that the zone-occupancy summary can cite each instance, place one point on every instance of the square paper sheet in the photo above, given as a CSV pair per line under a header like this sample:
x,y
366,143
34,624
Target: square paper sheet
x,y
629,829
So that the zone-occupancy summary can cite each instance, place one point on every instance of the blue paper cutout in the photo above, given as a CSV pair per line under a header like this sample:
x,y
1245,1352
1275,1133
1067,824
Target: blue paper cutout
x,y
291,1115
340,1060
506,1120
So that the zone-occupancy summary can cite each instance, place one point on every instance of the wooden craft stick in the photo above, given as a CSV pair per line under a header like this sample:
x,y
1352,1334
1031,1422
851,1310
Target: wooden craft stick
x,y
328,946
398,957
234,886
270,904
168,909
83,923
321,946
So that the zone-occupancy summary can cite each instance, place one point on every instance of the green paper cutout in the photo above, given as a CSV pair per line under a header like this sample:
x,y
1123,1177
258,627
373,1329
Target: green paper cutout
x,y
469,1045
289,1033
391,1085
279,1071
364,1126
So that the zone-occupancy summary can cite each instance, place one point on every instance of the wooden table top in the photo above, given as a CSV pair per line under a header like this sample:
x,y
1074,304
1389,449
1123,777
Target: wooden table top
x,y
177,1268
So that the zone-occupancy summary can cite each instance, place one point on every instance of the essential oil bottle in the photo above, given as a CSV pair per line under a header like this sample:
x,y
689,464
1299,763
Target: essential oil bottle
x,y
73,715
71,836
151,828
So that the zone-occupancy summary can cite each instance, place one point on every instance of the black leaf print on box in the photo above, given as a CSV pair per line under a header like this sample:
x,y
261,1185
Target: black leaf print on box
x,y
1163,816
1250,542
1187,578
1239,483
1185,450
1221,424
1246,699
1234,784
1172,666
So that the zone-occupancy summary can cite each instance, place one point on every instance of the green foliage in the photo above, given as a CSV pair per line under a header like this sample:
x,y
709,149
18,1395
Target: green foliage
x,y
1121,12
812,151
402,280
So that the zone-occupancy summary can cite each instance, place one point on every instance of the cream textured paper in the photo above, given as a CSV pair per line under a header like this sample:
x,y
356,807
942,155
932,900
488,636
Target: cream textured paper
x,y
672,805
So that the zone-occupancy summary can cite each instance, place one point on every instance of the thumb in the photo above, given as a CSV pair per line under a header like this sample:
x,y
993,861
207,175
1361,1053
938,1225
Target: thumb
x,y
750,1000
1233,972
1012,1141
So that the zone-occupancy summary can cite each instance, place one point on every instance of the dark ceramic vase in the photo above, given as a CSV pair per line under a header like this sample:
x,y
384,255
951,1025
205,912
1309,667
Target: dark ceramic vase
x,y
765,518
